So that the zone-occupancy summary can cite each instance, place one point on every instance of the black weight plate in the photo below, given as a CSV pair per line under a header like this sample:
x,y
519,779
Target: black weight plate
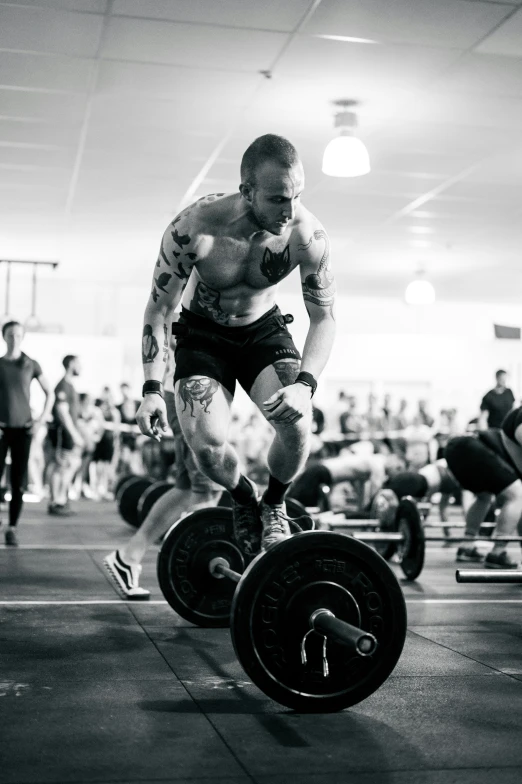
x,y
128,497
149,497
384,509
297,511
271,610
122,481
410,552
183,566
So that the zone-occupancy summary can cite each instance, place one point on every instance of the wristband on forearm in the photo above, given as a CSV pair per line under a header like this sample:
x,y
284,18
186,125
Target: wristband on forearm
x,y
308,380
152,388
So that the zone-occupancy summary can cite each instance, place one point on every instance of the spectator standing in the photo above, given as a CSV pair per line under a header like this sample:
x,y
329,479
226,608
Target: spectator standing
x,y
17,427
496,403
107,450
424,415
65,438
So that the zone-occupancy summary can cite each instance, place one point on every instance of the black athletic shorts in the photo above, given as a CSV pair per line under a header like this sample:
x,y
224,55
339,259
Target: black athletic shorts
x,y
230,354
408,483
305,488
477,466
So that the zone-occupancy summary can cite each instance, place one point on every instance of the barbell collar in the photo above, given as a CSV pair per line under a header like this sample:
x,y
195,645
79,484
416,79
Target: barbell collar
x,y
324,622
220,567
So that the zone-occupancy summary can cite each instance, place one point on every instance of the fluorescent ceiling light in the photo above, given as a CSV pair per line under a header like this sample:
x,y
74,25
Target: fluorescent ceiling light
x,y
347,39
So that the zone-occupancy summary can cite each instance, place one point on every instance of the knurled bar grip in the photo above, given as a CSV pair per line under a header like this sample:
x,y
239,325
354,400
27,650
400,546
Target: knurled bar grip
x,y
324,622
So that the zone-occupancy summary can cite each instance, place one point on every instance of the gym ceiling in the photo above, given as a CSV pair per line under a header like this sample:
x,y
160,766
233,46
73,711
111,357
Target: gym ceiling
x,y
113,114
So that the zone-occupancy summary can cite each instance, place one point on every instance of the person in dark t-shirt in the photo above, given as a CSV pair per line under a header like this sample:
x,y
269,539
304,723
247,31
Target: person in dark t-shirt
x,y
65,438
17,427
496,403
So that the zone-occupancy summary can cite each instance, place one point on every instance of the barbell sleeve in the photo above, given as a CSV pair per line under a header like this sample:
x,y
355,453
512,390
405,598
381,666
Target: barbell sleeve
x,y
489,576
324,622
219,567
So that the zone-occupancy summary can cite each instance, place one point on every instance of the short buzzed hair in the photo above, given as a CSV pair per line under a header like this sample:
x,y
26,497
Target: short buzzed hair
x,y
66,361
269,147
500,373
8,325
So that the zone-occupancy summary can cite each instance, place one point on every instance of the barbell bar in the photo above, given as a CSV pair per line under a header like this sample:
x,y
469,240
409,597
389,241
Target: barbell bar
x,y
489,576
321,620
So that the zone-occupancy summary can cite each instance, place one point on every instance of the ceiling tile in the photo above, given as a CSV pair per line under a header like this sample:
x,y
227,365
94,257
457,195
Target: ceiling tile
x,y
67,109
44,73
89,6
266,15
182,44
507,40
445,23
52,32
33,133
484,74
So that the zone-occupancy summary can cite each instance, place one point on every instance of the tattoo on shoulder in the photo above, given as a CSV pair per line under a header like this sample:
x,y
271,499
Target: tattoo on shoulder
x,y
319,287
180,239
197,389
206,302
275,266
287,371
149,345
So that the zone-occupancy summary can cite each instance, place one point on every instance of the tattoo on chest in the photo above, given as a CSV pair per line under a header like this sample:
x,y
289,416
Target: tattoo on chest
x,y
275,266
197,389
206,301
319,287
149,345
287,371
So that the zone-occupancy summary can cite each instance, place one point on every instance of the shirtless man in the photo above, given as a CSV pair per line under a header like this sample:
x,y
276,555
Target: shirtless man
x,y
223,257
367,474
428,480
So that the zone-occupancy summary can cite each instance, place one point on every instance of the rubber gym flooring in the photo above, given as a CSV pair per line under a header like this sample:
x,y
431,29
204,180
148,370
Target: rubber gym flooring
x,y
94,689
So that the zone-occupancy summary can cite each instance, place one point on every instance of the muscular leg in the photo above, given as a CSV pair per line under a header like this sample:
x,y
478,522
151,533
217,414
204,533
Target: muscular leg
x,y
203,407
167,509
291,445
476,508
510,515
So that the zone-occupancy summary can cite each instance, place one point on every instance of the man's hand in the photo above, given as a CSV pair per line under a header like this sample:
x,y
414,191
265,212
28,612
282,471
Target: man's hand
x,y
289,404
152,417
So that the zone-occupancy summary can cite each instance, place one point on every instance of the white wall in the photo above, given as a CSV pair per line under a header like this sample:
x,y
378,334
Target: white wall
x,y
446,351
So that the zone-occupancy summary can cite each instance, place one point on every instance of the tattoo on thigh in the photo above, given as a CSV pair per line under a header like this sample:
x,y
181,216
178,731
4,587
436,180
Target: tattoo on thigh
x,y
149,345
287,371
197,389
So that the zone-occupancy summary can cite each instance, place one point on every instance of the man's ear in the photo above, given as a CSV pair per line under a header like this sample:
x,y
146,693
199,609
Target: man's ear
x,y
245,190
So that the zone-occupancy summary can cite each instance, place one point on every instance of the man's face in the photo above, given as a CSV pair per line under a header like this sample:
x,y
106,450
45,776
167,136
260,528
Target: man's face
x,y
14,337
275,196
502,379
75,366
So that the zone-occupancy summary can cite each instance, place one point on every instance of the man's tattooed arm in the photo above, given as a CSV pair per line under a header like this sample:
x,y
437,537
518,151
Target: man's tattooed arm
x,y
318,287
177,256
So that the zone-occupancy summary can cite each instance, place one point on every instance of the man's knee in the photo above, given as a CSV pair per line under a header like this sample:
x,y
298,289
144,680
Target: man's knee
x,y
511,493
209,455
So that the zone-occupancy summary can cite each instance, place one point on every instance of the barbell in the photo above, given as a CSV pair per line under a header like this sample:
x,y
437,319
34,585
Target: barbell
x,y
489,576
318,622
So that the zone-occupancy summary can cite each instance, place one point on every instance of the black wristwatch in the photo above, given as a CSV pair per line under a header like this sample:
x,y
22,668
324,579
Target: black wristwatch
x,y
308,380
152,388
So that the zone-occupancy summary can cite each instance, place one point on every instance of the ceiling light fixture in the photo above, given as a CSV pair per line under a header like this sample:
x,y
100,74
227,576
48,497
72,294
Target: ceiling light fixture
x,y
420,291
347,39
346,155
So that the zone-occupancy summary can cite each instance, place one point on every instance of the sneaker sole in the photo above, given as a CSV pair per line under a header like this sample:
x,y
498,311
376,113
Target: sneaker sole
x,y
462,559
124,595
490,565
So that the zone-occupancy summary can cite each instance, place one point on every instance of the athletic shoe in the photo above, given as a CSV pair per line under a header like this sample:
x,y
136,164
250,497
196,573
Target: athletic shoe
x,y
10,537
247,523
125,577
469,554
499,561
276,524
58,510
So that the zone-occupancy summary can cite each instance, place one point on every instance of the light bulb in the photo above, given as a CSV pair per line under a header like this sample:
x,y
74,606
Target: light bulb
x,y
346,156
419,292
